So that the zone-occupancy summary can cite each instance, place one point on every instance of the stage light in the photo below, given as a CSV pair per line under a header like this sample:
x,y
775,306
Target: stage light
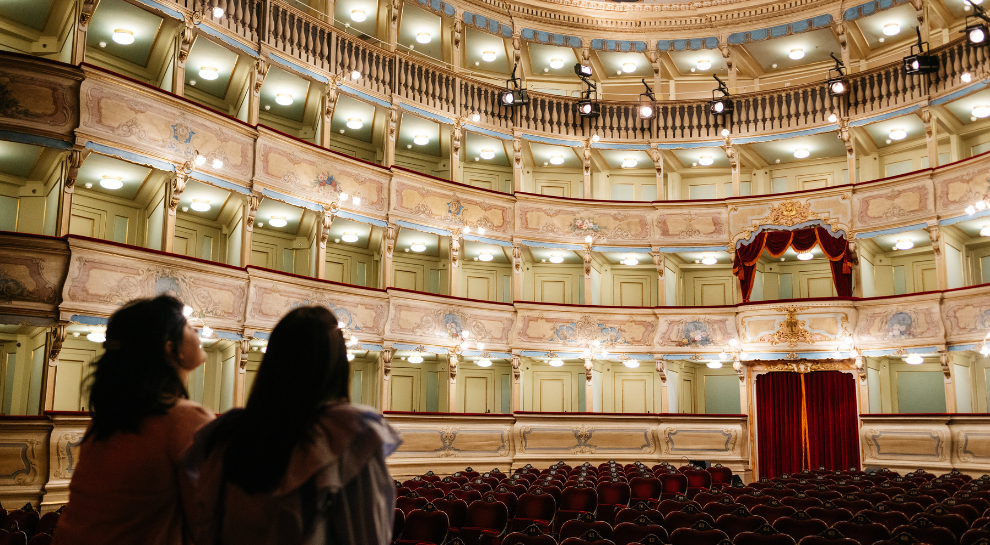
x,y
515,97
589,108
837,87
977,34
582,71
721,106
920,64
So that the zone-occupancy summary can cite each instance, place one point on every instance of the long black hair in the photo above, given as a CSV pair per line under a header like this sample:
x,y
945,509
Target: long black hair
x,y
304,368
135,378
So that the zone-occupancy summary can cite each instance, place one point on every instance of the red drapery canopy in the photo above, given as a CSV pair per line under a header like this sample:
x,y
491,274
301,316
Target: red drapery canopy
x,y
836,249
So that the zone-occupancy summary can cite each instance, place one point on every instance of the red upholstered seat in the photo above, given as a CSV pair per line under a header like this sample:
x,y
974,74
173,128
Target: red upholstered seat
x,y
487,517
872,495
517,489
739,521
720,475
679,503
940,517
952,505
630,532
40,539
974,536
533,505
799,526
426,525
900,503
699,478
579,498
709,496
470,473
773,510
645,488
779,491
686,518
967,498
862,529
48,521
590,537
553,491
754,499
409,503
481,486
829,513
830,536
702,533
510,500
886,517
852,503
764,535
467,493
672,483
455,508
926,531
532,535
721,507
430,492
583,523
612,496
637,510
398,522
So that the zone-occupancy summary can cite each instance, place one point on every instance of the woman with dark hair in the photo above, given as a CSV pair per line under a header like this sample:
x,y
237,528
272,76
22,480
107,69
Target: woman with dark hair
x,y
299,464
129,485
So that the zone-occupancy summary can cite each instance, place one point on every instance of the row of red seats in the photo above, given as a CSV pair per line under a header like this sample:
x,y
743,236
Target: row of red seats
x,y
475,512
25,526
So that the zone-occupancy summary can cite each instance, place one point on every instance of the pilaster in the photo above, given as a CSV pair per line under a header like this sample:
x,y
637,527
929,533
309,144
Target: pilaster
x,y
324,233
175,189
247,226
452,384
516,382
388,248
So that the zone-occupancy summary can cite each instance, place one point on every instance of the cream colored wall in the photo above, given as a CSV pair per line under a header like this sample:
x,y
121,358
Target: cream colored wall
x,y
703,285
497,178
356,148
619,282
479,389
430,273
557,182
894,375
643,184
553,389
627,390
344,262
23,358
540,282
427,164
485,282
717,391
75,364
363,380
418,387
276,244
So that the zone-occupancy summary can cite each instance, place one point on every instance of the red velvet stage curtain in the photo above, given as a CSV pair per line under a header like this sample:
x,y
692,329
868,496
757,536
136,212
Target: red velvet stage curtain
x,y
833,429
806,421
836,249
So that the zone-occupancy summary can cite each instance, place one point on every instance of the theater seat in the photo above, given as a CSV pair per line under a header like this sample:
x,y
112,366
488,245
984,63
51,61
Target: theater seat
x,y
940,517
455,508
409,503
800,525
720,475
535,505
886,517
630,532
532,535
590,537
764,535
639,509
426,525
773,510
830,536
862,529
927,532
583,523
398,522
702,533
829,513
686,518
487,517
739,521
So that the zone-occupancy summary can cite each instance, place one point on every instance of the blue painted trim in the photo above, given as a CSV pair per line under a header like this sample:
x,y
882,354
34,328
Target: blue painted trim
x,y
543,354
869,8
175,14
262,335
130,156
692,145
957,219
770,138
551,141
291,200
423,228
675,249
227,40
361,219
891,231
609,145
779,31
88,320
486,240
426,114
371,346
542,37
488,25
488,132
228,335
552,245
889,351
622,46
204,177
620,249
34,140
978,86
808,223
491,355
961,347
693,44
370,98
884,117
297,67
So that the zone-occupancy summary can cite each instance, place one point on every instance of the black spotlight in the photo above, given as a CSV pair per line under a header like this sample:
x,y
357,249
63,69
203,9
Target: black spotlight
x,y
837,85
976,34
647,106
721,105
588,107
920,62
514,94
582,71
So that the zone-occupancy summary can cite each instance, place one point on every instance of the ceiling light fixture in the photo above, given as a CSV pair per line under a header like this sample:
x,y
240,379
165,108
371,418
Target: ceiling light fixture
x,y
628,67
97,337
421,140
891,29
277,221
488,56
416,358
796,54
349,237
704,64
123,36
217,163
714,364
358,16
423,37
418,247
706,160
355,123
802,153
487,154
981,111
556,63
111,182
200,205
630,363
629,162
709,260
209,73
556,258
904,244
985,232
484,362
485,256
897,134
556,159
805,256
914,359
556,362
630,261
285,99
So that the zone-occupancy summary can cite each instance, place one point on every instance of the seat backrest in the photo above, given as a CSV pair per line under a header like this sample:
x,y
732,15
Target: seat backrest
x,y
585,522
428,524
591,537
862,529
831,536
455,508
686,519
398,523
532,535
487,513
698,478
799,528
579,498
629,532
940,517
613,493
673,482
701,533
764,535
887,518
536,504
508,498
733,524
645,488
926,531
720,475
408,503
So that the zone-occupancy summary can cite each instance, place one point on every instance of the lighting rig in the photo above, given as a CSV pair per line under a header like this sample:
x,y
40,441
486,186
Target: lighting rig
x,y
588,106
514,94
837,85
976,32
720,105
920,61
